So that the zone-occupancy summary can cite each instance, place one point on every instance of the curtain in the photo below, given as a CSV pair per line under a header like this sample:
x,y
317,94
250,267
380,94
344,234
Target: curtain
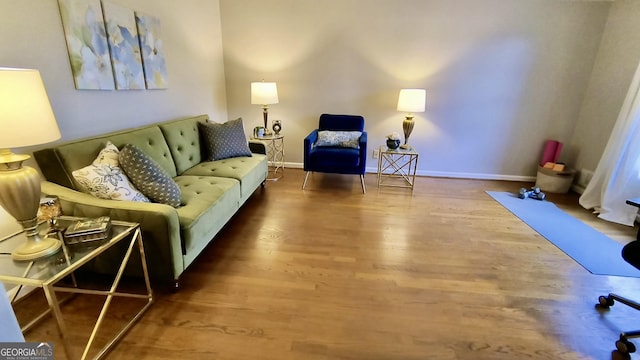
x,y
617,176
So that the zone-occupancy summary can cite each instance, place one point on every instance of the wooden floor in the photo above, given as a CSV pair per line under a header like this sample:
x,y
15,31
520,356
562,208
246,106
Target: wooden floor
x,y
444,272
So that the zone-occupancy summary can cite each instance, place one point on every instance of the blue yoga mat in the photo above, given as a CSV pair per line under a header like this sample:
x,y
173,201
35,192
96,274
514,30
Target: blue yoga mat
x,y
590,248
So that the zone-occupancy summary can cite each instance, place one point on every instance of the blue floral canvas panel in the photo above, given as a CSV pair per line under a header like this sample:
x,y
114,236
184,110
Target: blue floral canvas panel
x,y
122,36
155,70
86,38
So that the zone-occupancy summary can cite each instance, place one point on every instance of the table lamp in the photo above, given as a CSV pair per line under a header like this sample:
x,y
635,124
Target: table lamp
x,y
265,94
410,101
27,119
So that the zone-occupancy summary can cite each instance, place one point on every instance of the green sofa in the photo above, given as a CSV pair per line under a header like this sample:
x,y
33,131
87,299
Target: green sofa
x,y
212,191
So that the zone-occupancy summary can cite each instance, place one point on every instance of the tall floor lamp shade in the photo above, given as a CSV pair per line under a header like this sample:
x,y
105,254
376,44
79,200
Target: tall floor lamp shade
x,y
265,94
410,101
27,119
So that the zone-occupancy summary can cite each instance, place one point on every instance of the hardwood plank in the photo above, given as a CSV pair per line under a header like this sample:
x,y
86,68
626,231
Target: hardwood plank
x,y
444,272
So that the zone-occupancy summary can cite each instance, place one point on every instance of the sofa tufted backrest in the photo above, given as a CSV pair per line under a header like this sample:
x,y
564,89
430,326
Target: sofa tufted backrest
x,y
184,141
57,163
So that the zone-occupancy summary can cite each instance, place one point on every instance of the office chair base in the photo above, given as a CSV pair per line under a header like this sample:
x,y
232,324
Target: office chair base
x,y
623,345
608,301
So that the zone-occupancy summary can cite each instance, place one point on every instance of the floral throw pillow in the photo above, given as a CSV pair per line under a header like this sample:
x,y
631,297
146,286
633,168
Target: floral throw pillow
x,y
348,139
105,179
108,155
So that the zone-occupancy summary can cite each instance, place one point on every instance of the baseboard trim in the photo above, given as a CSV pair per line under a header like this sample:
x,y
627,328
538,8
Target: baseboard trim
x,y
442,174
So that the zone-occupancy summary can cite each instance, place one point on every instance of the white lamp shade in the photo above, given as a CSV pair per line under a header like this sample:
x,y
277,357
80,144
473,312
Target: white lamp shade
x,y
26,116
264,93
412,100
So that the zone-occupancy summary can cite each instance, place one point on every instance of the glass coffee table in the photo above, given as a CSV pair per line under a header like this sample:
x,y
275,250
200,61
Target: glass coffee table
x,y
55,274
397,167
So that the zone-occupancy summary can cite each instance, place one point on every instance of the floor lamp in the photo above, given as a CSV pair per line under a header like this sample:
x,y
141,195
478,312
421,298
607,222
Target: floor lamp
x,y
27,119
410,101
265,94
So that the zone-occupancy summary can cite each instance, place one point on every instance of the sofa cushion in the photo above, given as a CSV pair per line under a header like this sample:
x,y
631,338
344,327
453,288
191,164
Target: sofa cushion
x,y
208,203
222,141
149,177
105,179
250,171
348,139
334,157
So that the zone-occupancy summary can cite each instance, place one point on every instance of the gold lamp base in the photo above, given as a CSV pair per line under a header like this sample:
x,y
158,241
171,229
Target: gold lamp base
x,y
20,197
35,248
265,117
407,128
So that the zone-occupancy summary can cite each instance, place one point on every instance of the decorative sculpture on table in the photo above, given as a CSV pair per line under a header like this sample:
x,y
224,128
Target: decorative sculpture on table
x,y
277,127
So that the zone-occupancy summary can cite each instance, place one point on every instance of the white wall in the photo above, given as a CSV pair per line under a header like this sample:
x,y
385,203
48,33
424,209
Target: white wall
x,y
32,37
501,76
615,65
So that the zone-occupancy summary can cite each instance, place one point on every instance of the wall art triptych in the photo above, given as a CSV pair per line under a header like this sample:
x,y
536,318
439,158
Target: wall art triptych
x,y
112,47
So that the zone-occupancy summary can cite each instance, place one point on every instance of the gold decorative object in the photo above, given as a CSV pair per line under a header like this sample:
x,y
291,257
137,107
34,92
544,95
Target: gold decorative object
x,y
276,126
49,209
27,119
410,101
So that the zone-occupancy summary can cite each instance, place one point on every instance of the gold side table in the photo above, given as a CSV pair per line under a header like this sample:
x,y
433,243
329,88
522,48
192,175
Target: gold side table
x,y
48,272
275,154
397,167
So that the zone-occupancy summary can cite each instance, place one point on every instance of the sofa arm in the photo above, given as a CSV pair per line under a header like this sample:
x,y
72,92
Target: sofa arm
x,y
307,145
363,152
159,224
257,147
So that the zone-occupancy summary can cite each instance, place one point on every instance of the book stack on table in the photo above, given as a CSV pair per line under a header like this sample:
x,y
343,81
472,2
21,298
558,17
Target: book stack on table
x,y
88,230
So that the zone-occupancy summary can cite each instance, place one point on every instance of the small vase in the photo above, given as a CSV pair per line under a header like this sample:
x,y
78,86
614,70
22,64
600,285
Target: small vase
x,y
393,144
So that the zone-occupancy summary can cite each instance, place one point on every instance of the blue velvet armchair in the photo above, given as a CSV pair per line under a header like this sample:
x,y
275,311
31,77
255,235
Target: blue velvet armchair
x,y
336,158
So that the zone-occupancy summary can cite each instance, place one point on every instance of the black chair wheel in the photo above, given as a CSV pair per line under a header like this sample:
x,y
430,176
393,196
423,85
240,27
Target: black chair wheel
x,y
625,346
605,301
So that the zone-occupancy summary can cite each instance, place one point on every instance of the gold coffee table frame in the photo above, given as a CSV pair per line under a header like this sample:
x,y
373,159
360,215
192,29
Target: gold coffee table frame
x,y
70,262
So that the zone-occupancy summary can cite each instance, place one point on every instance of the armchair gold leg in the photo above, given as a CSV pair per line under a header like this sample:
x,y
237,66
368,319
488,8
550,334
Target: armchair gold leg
x,y
306,177
364,191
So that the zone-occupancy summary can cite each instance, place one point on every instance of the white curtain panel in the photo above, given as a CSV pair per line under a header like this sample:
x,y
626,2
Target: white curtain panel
x,y
617,176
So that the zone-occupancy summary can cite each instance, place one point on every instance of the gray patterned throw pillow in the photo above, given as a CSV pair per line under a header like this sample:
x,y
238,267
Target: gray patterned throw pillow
x,y
149,177
349,139
222,141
